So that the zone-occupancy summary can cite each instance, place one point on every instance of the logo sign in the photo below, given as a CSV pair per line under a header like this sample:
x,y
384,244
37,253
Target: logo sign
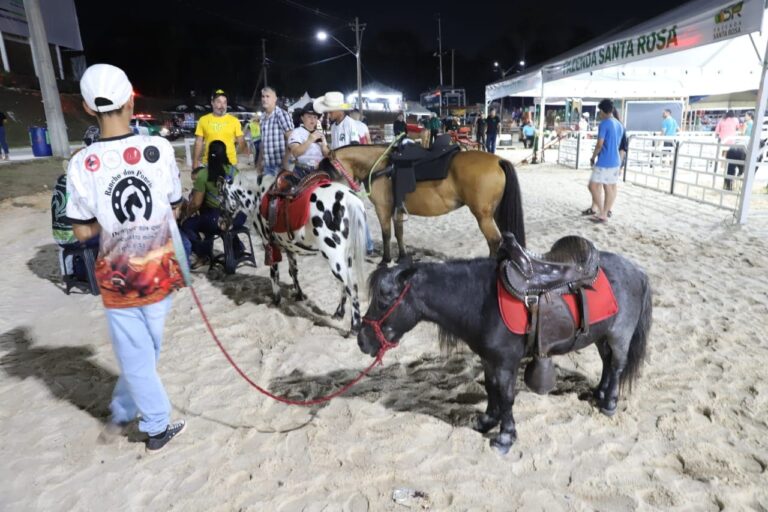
x,y
111,159
729,13
728,21
151,154
132,156
92,163
131,199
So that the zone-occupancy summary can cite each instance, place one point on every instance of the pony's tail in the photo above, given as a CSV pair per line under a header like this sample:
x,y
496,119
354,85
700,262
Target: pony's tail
x,y
509,213
356,248
638,343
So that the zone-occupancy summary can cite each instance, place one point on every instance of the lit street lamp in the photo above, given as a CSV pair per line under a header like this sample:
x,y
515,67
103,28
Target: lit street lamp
x,y
497,67
358,28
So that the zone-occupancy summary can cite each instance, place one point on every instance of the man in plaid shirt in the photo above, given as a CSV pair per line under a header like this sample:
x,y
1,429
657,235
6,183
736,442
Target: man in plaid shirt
x,y
276,126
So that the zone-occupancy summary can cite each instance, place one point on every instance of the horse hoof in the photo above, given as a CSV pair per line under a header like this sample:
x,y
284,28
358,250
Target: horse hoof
x,y
383,263
276,300
338,316
502,443
299,297
484,424
608,412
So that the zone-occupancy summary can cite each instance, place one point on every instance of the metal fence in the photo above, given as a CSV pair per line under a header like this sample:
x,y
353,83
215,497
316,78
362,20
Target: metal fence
x,y
693,165
575,151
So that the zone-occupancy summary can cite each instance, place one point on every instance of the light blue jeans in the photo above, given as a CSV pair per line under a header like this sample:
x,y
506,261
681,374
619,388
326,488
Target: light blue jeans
x,y
137,336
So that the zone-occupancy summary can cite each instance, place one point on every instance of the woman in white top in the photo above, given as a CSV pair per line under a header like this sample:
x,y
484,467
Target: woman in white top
x,y
307,142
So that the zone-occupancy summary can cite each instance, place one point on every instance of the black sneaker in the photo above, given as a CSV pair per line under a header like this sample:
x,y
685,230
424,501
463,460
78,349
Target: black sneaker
x,y
156,443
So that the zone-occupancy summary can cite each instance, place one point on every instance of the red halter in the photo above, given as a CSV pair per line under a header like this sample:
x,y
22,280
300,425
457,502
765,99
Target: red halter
x,y
384,344
347,176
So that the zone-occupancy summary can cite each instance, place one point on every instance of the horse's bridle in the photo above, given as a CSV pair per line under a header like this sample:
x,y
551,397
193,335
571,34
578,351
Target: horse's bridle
x,y
336,163
384,343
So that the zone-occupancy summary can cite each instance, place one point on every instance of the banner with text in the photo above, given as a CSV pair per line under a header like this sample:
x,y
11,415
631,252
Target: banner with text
x,y
731,20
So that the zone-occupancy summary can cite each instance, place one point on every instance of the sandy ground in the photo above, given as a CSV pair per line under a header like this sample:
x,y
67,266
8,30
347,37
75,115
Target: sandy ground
x,y
693,435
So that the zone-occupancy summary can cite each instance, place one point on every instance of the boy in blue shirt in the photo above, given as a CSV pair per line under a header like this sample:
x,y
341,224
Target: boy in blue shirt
x,y
606,163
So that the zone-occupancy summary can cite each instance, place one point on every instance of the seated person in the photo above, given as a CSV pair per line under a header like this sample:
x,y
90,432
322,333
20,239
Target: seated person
x,y
307,143
63,235
206,201
529,132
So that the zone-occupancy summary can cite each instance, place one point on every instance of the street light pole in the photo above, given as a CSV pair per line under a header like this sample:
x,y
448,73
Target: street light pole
x,y
358,38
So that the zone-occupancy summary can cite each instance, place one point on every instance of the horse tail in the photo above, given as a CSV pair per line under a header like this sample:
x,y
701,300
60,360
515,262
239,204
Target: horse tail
x,y
356,249
638,342
509,213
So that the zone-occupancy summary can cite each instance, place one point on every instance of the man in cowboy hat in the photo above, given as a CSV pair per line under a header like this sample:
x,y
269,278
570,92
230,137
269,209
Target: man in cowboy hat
x,y
307,142
344,129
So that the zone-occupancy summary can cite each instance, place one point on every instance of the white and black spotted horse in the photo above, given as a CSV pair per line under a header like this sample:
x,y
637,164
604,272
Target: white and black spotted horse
x,y
335,229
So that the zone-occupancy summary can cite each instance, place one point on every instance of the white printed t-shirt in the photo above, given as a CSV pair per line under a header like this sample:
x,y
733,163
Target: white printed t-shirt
x,y
128,184
313,155
345,133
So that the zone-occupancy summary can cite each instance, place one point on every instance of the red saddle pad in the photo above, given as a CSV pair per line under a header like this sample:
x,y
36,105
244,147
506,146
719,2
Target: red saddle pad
x,y
298,209
602,305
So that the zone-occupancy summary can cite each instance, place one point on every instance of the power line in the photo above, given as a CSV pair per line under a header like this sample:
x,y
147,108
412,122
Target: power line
x,y
313,10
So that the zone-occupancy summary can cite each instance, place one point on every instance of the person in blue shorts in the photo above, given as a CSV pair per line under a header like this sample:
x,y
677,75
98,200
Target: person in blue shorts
x,y
606,163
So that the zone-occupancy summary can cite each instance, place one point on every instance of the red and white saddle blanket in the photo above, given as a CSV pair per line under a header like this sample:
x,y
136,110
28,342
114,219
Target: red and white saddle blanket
x,y
602,305
292,213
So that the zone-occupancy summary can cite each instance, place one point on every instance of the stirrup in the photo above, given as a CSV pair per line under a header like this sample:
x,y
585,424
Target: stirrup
x,y
405,212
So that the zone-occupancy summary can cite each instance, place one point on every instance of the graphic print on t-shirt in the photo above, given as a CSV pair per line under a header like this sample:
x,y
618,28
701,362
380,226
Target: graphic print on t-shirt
x,y
136,265
92,163
129,197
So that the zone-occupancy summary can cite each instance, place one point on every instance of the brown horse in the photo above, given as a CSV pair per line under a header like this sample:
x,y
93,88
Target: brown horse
x,y
482,181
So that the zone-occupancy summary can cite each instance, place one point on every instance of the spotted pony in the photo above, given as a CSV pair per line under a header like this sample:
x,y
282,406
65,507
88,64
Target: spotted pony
x,y
334,229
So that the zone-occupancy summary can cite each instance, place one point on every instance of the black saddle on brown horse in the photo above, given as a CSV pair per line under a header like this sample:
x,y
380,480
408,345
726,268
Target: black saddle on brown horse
x,y
412,163
539,281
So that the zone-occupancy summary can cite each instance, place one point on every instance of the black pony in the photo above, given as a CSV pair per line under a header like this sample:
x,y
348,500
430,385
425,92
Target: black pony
x,y
461,298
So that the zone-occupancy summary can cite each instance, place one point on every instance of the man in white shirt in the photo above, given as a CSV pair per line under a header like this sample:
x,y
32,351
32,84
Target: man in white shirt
x,y
344,131
365,135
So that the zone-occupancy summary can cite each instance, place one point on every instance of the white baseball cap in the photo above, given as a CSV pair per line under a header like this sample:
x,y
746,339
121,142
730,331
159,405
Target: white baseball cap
x,y
105,87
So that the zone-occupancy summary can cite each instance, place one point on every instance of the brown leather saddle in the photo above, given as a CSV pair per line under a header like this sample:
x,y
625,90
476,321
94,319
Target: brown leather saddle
x,y
286,187
539,281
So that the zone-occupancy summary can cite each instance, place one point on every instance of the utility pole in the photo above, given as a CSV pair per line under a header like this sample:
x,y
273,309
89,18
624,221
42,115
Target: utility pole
x,y
440,57
51,99
440,46
358,28
453,81
264,60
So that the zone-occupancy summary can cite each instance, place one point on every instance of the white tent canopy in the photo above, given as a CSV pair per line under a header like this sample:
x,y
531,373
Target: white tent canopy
x,y
701,48
704,47
300,103
414,108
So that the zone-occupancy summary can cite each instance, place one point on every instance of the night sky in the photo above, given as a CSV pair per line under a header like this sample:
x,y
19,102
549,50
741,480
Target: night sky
x,y
170,47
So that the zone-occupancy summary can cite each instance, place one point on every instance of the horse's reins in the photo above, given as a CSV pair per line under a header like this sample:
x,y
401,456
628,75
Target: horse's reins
x,y
384,347
350,179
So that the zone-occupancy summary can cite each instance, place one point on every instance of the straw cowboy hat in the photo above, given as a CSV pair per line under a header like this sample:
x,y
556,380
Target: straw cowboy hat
x,y
331,101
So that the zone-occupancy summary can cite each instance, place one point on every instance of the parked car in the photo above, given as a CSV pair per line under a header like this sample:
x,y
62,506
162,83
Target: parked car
x,y
143,124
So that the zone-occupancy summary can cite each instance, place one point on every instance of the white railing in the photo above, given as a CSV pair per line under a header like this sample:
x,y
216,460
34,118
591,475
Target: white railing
x,y
575,150
695,166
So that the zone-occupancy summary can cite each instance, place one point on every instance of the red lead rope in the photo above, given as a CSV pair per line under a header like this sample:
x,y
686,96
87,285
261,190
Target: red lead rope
x,y
384,347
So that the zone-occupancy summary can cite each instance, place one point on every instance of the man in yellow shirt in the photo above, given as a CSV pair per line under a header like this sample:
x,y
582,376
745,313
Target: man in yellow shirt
x,y
218,125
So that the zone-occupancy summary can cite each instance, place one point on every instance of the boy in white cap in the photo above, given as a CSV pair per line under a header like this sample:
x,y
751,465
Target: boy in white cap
x,y
126,188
